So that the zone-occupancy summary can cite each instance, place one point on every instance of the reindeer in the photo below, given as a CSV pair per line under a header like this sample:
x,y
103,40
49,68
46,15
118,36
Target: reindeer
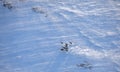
x,y
66,46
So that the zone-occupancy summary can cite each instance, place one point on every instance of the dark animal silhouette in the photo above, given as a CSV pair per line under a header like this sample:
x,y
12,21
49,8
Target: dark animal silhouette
x,y
7,5
66,46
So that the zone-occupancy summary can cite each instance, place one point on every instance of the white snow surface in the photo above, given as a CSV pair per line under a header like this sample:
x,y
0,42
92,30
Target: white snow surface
x,y
30,39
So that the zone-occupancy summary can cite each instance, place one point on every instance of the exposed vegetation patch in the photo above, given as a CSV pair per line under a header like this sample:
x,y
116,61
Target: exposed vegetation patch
x,y
85,65
39,10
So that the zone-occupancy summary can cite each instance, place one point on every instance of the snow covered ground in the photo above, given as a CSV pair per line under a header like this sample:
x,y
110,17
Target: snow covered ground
x,y
31,32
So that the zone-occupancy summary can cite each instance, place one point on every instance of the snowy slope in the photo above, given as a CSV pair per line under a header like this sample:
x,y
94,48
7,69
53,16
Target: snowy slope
x,y
31,32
